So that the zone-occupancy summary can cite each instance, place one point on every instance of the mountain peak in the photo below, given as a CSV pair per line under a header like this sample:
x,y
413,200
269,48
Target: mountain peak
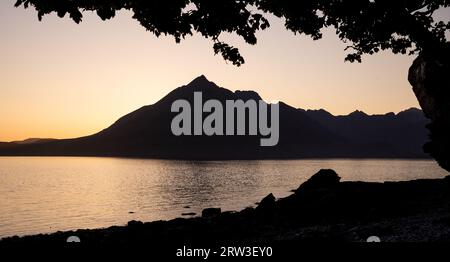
x,y
412,110
200,80
319,112
411,114
358,113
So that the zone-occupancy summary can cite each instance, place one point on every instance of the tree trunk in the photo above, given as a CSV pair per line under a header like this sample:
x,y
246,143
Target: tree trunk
x,y
430,77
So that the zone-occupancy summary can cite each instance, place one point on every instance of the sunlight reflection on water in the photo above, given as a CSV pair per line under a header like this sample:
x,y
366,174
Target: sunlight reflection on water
x,y
47,194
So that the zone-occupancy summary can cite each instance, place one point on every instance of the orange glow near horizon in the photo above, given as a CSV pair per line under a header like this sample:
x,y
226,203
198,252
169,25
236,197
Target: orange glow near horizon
x,y
61,80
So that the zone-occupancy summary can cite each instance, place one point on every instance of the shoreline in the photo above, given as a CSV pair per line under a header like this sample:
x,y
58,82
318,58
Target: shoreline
x,y
426,157
321,209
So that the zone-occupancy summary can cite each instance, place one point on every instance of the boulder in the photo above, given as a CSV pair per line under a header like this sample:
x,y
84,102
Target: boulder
x,y
324,179
134,223
267,202
211,212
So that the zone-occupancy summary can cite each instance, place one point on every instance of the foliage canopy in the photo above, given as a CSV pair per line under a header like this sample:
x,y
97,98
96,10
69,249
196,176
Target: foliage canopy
x,y
368,26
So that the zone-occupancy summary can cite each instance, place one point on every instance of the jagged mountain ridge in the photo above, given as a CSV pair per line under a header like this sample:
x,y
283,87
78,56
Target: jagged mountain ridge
x,y
303,134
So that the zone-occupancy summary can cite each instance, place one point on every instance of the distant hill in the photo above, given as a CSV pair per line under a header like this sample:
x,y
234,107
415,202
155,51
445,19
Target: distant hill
x,y
28,141
33,141
303,134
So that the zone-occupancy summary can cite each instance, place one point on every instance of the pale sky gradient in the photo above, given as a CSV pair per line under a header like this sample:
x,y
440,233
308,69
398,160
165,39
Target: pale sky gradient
x,y
60,80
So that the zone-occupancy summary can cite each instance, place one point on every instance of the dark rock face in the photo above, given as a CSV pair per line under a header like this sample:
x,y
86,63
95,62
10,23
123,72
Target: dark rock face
x,y
325,178
267,202
429,76
211,212
134,223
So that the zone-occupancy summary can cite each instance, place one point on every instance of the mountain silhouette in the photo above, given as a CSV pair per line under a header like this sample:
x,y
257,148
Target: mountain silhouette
x,y
146,133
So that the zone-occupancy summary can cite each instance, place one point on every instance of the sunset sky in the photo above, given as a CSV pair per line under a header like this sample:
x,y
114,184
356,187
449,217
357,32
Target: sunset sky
x,y
60,80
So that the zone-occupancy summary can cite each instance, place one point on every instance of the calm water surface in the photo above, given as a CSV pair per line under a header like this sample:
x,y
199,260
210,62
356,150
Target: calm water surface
x,y
47,194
